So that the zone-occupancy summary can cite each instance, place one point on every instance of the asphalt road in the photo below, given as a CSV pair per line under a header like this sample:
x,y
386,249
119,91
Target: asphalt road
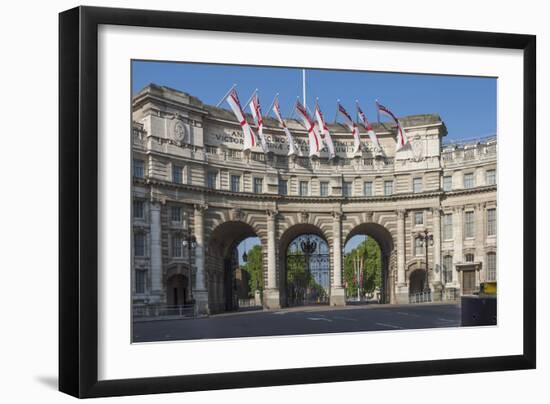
x,y
304,320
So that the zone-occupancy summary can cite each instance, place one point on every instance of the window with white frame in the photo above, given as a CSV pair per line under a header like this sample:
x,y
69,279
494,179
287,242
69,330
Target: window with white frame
x,y
141,280
448,268
258,185
417,185
491,177
212,179
491,222
469,180
177,174
177,246
139,244
367,188
469,224
176,213
418,218
324,188
235,183
139,209
448,226
346,188
283,187
491,266
447,183
388,187
304,188
139,168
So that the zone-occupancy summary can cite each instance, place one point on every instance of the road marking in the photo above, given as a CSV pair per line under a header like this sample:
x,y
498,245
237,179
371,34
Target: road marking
x,y
320,318
280,312
345,318
445,320
389,325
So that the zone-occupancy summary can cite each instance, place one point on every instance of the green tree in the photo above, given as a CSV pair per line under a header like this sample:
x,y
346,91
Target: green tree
x,y
372,270
253,267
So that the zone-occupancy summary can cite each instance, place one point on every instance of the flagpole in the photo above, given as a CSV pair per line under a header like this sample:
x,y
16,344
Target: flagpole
x,y
304,87
226,94
250,99
336,115
272,103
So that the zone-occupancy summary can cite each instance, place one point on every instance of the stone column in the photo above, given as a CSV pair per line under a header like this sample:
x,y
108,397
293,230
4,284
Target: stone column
x,y
272,298
402,293
200,293
156,252
458,240
437,273
480,232
337,292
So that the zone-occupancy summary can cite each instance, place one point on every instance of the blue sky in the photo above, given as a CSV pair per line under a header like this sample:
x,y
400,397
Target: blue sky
x,y
467,105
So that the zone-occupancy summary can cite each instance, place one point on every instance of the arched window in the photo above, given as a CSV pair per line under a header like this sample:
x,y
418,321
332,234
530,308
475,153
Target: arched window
x,y
447,268
491,266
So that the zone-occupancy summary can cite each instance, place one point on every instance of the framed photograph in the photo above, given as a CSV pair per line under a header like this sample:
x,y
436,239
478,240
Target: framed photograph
x,y
252,202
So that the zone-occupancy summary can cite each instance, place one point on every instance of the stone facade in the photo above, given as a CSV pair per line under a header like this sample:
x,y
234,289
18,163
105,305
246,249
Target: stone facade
x,y
192,180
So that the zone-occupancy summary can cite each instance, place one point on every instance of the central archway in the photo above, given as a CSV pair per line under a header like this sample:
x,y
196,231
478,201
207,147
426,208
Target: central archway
x,y
223,265
384,241
305,266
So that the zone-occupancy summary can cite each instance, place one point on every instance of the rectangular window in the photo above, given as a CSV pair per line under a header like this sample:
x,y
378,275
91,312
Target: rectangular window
x,y
469,258
388,187
491,177
139,168
491,222
346,188
367,188
212,179
304,188
324,188
469,180
283,187
448,226
418,247
176,213
447,183
139,244
177,174
469,224
139,210
491,267
258,185
141,279
448,268
417,185
177,250
235,183
418,218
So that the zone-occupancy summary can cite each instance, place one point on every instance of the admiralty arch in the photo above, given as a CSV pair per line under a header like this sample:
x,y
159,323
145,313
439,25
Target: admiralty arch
x,y
193,186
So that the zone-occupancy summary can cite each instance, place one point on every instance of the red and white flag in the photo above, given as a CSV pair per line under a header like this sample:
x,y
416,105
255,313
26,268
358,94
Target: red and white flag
x,y
257,114
368,127
313,137
249,138
324,130
402,139
277,110
352,126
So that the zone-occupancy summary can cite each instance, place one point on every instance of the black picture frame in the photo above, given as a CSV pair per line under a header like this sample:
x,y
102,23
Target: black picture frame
x,y
78,200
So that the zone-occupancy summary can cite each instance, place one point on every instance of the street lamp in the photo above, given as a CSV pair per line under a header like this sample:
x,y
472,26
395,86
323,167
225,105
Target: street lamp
x,y
426,239
190,242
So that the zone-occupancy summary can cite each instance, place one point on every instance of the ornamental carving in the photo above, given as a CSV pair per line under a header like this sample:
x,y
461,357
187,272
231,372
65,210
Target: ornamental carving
x,y
180,132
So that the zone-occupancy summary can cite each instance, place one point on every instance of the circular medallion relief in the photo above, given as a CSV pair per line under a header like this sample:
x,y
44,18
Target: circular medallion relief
x,y
179,131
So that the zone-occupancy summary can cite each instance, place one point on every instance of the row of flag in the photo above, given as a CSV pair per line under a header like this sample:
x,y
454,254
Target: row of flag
x,y
319,137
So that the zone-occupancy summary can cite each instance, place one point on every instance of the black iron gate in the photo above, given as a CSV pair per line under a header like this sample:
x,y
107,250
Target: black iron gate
x,y
307,272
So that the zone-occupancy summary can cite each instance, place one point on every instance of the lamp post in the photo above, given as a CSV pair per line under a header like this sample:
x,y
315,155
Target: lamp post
x,y
308,247
190,242
426,239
